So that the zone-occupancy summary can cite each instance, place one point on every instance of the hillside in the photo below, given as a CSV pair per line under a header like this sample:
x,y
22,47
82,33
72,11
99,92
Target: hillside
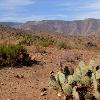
x,y
82,27
77,27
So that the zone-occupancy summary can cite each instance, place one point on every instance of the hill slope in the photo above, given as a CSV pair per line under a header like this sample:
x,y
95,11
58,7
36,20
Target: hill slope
x,y
84,27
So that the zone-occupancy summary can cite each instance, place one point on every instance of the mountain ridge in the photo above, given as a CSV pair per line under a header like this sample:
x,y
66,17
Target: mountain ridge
x,y
84,27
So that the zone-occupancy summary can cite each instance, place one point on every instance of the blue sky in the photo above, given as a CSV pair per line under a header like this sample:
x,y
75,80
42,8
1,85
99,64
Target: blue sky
x,y
25,10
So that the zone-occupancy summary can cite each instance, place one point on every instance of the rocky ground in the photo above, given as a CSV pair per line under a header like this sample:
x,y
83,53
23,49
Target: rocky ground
x,y
31,83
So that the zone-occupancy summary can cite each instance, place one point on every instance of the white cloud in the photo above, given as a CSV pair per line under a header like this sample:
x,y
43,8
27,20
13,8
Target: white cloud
x,y
92,5
77,6
11,4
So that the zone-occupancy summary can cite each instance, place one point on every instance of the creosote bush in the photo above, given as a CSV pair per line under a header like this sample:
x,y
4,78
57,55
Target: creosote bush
x,y
82,84
13,55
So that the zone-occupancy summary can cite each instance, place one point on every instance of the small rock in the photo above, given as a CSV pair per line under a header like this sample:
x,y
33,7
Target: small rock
x,y
43,94
19,76
2,83
43,89
59,94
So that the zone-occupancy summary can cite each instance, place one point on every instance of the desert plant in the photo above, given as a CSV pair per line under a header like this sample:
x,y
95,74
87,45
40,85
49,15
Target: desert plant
x,y
61,44
67,89
26,40
85,80
45,42
79,84
13,55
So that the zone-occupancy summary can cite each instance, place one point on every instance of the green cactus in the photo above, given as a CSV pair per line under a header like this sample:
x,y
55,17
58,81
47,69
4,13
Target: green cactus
x,y
57,76
94,63
82,64
97,93
60,77
71,71
85,80
53,83
97,74
75,94
78,71
86,77
70,79
67,89
94,81
96,84
83,68
77,77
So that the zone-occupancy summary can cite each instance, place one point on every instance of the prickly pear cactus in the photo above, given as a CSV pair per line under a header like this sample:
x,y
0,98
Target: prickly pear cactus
x,y
98,74
83,68
67,89
81,83
96,84
60,77
75,94
53,83
77,77
78,72
94,81
85,80
57,76
94,62
70,79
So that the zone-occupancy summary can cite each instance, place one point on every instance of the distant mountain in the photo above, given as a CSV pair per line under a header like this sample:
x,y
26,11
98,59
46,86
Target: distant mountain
x,y
11,24
84,27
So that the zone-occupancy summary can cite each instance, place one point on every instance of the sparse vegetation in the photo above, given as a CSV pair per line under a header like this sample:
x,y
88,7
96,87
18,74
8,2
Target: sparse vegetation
x,y
61,44
45,42
26,40
83,84
45,39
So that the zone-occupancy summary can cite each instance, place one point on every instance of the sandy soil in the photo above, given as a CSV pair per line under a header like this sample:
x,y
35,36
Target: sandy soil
x,y
31,83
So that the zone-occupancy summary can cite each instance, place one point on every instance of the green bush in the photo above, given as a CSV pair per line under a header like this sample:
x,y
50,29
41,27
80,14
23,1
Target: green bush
x,y
45,42
61,44
26,40
13,55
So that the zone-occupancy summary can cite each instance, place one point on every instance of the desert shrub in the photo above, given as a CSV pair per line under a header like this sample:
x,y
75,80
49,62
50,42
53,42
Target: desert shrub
x,y
13,55
61,44
45,42
26,40
82,84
